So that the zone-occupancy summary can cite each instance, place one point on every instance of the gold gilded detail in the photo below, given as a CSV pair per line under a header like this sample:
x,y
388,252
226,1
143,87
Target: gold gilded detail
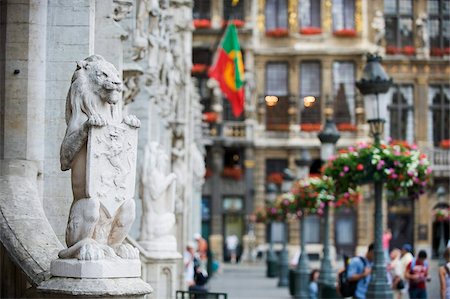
x,y
261,17
358,16
328,17
292,14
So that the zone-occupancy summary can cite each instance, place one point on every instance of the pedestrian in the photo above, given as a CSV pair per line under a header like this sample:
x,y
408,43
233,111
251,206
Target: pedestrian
x,y
313,284
188,258
359,271
387,236
395,273
444,276
232,242
405,258
202,246
417,275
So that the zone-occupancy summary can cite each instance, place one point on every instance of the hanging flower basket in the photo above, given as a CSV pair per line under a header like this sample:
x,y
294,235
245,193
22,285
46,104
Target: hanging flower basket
x,y
348,127
310,127
237,23
445,144
310,30
232,173
270,213
199,68
202,23
311,194
348,199
277,32
441,214
345,33
404,168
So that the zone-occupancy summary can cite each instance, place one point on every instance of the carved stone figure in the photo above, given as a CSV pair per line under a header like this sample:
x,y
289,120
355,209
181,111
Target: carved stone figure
x,y
423,35
147,19
100,148
198,165
379,25
121,9
158,201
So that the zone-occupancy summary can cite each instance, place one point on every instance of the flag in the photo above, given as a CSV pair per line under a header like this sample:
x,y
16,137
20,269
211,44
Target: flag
x,y
228,70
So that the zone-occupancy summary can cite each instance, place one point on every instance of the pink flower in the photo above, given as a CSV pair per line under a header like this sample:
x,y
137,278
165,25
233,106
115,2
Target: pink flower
x,y
394,175
380,164
429,170
346,168
414,146
351,149
346,195
396,163
341,174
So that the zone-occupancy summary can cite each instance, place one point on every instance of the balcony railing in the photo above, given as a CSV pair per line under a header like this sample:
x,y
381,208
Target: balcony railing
x,y
439,159
229,130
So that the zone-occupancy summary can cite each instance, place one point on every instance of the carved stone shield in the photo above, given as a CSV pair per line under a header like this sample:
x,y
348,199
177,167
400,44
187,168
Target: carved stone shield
x,y
111,165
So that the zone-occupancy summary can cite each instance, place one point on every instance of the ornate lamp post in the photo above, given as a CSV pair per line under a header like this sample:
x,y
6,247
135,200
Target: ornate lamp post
x,y
376,81
328,138
283,261
440,192
301,274
271,260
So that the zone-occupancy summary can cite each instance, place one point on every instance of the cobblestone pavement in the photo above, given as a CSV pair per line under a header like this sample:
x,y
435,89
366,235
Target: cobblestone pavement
x,y
249,281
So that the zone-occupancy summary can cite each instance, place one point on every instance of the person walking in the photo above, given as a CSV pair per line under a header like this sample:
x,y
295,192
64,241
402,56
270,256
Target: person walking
x,y
232,243
444,276
387,236
405,258
395,273
188,258
313,284
359,270
417,275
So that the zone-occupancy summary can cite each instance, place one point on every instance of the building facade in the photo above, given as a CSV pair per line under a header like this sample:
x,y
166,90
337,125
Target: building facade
x,y
302,59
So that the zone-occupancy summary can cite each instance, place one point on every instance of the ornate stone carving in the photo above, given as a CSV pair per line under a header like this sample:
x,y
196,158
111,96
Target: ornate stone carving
x,y
158,201
379,26
100,148
121,9
423,35
199,167
131,86
179,165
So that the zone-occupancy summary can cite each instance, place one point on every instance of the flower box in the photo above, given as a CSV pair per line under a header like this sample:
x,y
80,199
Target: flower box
x,y
310,127
346,127
232,173
445,144
202,23
310,30
277,127
345,33
409,50
199,68
392,50
275,177
439,51
441,214
210,117
237,23
277,32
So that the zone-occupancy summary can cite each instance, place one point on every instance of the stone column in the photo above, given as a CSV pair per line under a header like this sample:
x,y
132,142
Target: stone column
x,y
216,202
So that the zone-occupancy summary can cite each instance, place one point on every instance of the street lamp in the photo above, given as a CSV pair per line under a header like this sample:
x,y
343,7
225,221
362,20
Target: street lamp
x,y
283,261
376,81
271,259
440,193
301,273
328,138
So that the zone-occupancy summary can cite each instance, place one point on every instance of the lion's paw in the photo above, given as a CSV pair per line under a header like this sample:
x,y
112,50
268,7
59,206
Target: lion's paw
x,y
91,251
132,121
126,251
96,120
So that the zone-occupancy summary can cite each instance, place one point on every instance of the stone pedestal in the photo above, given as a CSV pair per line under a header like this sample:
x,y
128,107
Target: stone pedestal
x,y
161,271
59,287
117,268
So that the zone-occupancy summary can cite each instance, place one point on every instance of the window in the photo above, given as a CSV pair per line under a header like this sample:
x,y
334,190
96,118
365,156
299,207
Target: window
x,y
274,170
400,117
343,14
344,93
312,229
277,117
309,14
310,85
399,26
202,9
439,26
231,12
439,117
276,14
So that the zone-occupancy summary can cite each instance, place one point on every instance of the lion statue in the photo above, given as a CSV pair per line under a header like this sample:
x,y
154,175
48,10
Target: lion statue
x,y
94,99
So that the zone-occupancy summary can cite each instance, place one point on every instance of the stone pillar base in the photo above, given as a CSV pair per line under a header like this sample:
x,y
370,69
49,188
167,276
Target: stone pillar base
x,y
123,288
160,270
117,268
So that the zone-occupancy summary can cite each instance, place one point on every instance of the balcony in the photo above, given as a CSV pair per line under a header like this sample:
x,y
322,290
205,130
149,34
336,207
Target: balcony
x,y
440,161
229,132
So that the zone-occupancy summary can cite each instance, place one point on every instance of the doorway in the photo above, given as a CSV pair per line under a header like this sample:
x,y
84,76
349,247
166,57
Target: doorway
x,y
345,232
